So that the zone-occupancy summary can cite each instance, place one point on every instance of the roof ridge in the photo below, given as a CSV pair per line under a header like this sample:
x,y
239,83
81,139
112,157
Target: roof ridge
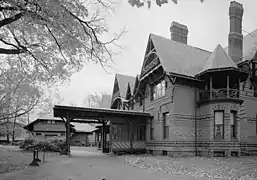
x,y
181,43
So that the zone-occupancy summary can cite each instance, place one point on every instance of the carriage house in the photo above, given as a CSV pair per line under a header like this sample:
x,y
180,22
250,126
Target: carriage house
x,y
202,102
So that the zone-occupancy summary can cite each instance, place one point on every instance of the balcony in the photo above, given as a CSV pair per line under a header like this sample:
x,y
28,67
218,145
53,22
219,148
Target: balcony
x,y
219,94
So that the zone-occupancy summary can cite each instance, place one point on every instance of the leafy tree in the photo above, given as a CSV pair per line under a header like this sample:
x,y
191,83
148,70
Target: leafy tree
x,y
140,3
55,37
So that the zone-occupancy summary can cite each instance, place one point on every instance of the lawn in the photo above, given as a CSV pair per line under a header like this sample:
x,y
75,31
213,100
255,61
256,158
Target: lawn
x,y
241,168
13,159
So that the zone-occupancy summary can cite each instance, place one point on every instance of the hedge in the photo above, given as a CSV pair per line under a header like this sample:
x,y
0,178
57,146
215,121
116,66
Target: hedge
x,y
51,145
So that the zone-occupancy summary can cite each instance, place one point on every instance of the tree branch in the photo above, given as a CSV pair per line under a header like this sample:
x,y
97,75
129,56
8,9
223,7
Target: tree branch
x,y
11,51
11,19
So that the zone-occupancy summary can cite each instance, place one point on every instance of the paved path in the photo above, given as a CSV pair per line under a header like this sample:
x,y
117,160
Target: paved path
x,y
87,164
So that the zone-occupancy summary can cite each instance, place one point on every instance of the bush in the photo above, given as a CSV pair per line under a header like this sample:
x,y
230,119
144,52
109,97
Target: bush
x,y
52,145
27,142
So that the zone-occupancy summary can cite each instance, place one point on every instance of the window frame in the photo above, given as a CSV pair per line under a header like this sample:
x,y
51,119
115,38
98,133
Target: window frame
x,y
222,132
256,124
165,125
151,130
234,126
158,90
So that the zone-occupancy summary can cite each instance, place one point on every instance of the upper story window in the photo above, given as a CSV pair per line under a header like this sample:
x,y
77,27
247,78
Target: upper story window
x,y
158,90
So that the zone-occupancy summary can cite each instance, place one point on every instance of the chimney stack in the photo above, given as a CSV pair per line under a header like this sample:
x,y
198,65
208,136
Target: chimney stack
x,y
235,39
178,32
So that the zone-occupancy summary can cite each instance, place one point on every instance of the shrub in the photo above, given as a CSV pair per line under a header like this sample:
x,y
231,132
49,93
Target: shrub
x,y
51,145
27,142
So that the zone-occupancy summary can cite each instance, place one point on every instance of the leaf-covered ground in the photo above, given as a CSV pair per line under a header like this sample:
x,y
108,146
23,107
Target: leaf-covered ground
x,y
242,168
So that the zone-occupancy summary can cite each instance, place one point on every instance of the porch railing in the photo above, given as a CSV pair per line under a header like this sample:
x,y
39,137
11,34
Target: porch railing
x,y
219,94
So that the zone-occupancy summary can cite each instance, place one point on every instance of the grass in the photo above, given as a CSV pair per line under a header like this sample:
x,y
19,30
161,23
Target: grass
x,y
13,159
200,167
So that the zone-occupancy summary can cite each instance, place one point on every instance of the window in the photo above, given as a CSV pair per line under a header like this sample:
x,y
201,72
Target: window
x,y
158,90
151,130
141,133
38,134
233,124
165,126
256,124
219,124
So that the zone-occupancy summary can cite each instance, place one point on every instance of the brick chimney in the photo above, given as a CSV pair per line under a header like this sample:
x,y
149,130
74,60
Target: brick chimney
x,y
235,39
178,32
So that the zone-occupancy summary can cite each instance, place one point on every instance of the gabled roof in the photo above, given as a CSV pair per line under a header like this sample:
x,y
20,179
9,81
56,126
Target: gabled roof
x,y
30,125
123,81
218,60
179,58
249,45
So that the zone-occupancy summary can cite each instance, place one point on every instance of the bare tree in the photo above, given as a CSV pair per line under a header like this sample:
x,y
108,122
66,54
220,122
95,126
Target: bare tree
x,y
97,100
56,38
19,94
140,3
46,106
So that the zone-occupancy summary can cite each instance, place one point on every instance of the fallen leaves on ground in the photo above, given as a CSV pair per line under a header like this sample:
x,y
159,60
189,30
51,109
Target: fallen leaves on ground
x,y
243,168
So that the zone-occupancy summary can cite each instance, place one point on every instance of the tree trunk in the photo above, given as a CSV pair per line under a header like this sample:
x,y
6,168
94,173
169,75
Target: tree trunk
x,y
7,130
13,131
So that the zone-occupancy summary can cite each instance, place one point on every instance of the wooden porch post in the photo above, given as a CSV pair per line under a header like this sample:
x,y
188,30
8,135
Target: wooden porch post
x,y
103,137
110,137
210,87
95,139
67,151
227,86
130,134
238,87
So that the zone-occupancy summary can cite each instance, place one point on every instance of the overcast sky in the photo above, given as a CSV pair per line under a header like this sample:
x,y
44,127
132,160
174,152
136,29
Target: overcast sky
x,y
208,25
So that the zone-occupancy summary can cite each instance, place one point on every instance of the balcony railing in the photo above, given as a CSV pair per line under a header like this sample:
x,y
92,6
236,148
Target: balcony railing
x,y
219,94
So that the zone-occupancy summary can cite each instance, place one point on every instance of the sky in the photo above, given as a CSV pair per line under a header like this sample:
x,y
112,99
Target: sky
x,y
208,25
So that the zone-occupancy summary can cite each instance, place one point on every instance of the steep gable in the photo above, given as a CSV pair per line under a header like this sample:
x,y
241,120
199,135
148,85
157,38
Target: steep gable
x,y
123,81
151,59
116,91
179,58
128,93
136,85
